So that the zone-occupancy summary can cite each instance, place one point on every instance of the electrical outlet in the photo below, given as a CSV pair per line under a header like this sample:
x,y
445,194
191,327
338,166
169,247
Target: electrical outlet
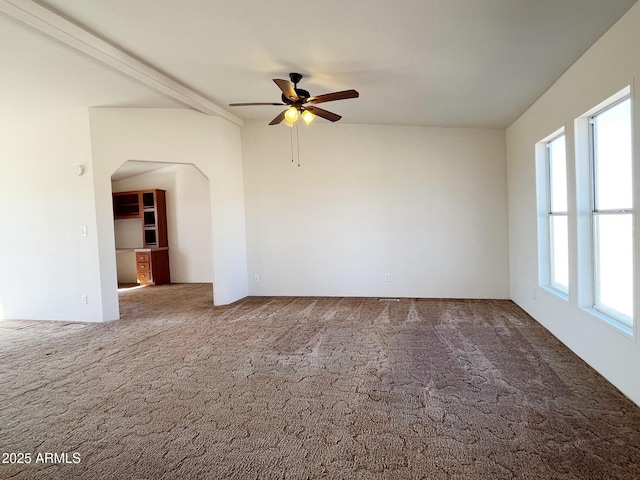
x,y
256,278
84,300
387,277
83,231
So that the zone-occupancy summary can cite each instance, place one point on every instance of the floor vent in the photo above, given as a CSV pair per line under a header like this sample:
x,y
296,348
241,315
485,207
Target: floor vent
x,y
388,299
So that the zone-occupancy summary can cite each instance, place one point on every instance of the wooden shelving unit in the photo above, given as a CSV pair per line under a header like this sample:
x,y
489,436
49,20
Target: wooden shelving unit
x,y
152,261
126,205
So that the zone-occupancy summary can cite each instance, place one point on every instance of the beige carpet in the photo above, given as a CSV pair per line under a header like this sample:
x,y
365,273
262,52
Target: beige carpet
x,y
296,388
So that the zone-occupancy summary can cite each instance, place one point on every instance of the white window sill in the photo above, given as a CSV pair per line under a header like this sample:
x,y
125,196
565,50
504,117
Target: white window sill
x,y
555,292
611,322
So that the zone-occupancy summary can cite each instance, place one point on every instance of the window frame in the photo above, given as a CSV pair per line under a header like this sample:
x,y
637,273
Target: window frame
x,y
544,219
619,319
551,283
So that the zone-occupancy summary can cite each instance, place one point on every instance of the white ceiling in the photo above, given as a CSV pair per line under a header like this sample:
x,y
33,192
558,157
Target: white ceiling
x,y
471,63
133,168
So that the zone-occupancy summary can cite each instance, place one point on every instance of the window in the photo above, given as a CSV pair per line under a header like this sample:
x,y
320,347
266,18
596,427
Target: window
x,y
558,228
553,225
612,211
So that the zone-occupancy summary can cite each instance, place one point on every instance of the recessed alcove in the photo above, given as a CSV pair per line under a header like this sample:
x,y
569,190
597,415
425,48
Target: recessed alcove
x,y
188,219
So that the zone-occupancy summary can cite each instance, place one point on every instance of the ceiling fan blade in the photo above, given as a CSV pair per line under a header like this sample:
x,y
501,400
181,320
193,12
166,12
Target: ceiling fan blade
x,y
330,97
332,117
278,119
251,104
287,89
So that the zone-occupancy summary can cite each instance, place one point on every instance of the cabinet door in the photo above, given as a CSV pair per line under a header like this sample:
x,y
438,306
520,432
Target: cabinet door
x,y
160,267
154,219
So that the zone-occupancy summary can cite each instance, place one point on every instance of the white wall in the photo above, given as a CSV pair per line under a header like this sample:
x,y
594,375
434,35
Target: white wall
x,y
425,205
188,222
46,266
173,136
611,64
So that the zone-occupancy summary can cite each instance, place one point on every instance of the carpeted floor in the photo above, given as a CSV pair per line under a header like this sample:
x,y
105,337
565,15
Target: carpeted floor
x,y
297,388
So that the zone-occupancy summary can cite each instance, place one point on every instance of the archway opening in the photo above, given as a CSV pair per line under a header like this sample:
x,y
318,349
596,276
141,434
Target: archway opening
x,y
187,201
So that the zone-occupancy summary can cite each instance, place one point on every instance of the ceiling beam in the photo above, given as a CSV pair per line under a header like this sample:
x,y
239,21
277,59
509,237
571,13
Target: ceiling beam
x,y
55,26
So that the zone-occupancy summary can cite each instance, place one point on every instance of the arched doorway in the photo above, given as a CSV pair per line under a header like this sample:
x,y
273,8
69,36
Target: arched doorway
x,y
188,206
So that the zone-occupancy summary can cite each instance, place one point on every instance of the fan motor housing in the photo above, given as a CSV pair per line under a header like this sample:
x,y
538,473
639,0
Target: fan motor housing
x,y
302,95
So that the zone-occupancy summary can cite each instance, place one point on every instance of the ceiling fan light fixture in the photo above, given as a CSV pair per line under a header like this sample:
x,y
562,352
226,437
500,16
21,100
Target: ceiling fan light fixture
x,y
291,114
308,117
297,100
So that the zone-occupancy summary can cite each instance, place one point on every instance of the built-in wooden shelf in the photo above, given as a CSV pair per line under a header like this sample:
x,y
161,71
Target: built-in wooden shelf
x,y
152,261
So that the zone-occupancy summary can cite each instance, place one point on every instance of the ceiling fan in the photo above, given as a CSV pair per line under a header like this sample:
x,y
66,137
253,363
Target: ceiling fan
x,y
301,103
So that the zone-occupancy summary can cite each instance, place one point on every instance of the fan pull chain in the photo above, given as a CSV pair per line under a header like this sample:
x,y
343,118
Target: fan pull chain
x,y
295,150
291,133
298,144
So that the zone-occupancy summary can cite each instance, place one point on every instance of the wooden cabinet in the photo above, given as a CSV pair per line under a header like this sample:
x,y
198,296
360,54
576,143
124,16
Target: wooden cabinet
x,y
126,205
151,207
152,261
152,266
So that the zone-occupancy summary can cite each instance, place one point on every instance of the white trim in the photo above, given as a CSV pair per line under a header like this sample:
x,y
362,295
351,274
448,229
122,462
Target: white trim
x,y
609,102
586,214
543,187
562,295
611,322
